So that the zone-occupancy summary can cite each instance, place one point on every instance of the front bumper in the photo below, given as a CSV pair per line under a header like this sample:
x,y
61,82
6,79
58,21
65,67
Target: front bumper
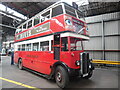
x,y
77,72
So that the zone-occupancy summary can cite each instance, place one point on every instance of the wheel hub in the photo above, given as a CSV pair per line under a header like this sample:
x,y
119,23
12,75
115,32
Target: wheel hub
x,y
59,76
20,64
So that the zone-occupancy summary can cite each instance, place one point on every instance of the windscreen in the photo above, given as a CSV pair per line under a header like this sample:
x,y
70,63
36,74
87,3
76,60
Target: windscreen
x,y
75,44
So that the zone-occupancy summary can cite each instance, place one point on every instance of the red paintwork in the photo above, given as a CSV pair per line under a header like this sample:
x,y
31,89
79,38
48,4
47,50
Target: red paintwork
x,y
42,60
54,27
36,60
70,60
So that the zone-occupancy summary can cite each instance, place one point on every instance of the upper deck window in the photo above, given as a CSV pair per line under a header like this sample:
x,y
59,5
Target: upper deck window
x,y
57,11
80,14
36,20
24,26
69,10
30,24
18,30
45,16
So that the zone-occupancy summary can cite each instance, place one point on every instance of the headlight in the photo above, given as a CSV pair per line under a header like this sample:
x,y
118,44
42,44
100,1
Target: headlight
x,y
90,66
77,63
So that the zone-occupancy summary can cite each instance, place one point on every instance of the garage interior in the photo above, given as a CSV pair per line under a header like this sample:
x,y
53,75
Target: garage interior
x,y
103,21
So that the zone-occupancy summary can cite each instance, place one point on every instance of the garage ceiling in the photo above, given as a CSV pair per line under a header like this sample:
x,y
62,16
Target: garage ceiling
x,y
29,9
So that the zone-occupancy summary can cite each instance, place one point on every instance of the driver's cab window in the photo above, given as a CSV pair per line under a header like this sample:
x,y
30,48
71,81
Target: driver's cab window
x,y
64,44
75,44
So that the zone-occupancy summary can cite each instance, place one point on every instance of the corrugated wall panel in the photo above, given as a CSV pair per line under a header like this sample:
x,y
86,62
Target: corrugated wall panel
x,y
93,44
95,29
95,55
9,38
111,27
111,43
119,27
109,16
93,19
112,56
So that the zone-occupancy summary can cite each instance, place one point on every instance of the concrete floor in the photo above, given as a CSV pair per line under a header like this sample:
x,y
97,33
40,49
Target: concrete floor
x,y
102,78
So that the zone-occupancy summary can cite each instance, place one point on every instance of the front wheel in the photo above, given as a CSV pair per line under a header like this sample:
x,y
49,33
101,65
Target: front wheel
x,y
61,77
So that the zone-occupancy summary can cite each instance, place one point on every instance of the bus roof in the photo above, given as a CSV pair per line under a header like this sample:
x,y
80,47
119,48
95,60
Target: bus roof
x,y
48,8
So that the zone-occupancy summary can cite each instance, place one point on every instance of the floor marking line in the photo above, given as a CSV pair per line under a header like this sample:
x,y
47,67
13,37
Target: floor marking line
x,y
18,83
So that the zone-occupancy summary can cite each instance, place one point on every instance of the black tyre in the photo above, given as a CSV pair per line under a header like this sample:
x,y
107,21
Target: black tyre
x,y
61,77
89,75
20,65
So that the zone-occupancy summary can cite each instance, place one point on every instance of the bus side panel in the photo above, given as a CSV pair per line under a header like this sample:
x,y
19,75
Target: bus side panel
x,y
27,59
57,24
46,60
40,61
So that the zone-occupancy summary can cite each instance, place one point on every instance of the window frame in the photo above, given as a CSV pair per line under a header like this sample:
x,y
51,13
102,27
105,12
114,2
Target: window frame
x,y
37,46
67,45
65,5
30,25
58,14
37,16
45,45
29,49
76,43
23,49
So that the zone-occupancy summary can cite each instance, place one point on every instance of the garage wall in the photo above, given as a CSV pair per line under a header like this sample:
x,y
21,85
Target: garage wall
x,y
104,36
9,38
0,33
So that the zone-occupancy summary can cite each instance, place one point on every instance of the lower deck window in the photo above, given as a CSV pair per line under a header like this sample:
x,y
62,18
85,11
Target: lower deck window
x,y
28,47
19,47
44,46
23,47
35,47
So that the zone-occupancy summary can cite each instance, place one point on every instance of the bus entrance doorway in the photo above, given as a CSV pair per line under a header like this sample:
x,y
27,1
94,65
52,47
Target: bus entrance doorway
x,y
56,45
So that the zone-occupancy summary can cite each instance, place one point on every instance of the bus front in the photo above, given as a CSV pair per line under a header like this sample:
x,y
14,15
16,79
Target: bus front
x,y
72,48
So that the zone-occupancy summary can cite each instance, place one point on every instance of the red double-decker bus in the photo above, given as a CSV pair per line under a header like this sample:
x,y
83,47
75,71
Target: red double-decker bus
x,y
51,44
